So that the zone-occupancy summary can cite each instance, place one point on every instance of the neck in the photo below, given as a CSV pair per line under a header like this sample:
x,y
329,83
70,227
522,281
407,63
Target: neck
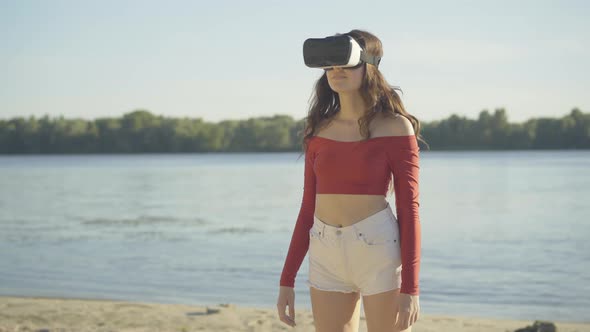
x,y
352,106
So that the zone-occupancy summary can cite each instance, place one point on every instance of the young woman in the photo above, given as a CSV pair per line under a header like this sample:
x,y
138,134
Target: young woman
x,y
360,145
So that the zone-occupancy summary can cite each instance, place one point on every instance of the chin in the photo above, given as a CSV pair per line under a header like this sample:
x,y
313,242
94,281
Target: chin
x,y
339,89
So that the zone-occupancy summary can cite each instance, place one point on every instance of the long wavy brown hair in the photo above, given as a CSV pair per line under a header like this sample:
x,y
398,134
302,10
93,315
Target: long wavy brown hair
x,y
375,91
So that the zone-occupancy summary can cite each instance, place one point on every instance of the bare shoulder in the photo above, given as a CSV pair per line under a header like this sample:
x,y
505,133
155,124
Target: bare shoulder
x,y
321,126
395,125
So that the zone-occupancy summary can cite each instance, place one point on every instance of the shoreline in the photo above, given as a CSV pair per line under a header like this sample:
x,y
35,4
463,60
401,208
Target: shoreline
x,y
39,313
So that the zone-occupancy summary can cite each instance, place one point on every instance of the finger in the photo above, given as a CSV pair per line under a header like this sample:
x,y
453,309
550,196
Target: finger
x,y
292,312
412,319
400,321
282,316
285,319
404,322
288,319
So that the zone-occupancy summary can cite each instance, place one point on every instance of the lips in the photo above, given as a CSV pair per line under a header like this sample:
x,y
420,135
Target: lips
x,y
338,77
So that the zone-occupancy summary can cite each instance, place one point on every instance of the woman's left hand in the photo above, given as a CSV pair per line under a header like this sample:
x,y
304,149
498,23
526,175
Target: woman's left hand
x,y
409,311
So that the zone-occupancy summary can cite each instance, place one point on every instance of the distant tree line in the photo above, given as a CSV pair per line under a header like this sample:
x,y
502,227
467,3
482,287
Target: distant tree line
x,y
142,131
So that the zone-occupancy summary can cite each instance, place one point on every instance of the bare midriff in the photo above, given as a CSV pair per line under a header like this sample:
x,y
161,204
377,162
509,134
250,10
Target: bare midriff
x,y
341,210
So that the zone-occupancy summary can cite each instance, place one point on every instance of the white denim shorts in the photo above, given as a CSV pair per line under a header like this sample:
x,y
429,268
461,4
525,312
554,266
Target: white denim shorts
x,y
363,257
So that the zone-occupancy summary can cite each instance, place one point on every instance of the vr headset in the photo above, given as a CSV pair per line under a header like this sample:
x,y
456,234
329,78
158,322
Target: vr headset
x,y
336,51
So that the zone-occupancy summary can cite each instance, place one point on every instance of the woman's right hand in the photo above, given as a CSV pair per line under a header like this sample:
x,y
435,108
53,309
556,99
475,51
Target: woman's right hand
x,y
286,298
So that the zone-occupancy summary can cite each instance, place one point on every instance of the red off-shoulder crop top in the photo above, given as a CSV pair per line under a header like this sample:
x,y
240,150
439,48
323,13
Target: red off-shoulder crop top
x,y
361,167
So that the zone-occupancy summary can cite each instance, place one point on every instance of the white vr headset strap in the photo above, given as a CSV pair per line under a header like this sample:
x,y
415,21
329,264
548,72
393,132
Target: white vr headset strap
x,y
358,54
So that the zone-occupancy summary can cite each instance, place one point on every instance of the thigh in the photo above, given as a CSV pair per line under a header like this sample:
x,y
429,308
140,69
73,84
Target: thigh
x,y
381,311
335,311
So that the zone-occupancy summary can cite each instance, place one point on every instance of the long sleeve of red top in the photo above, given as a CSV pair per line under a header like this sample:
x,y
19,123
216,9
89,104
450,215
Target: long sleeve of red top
x,y
404,164
300,238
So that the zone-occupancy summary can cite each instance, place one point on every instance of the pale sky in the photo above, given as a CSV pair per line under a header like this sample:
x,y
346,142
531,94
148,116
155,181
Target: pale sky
x,y
238,59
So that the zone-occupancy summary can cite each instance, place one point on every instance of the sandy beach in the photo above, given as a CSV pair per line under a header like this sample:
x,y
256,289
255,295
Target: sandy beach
x,y
56,314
